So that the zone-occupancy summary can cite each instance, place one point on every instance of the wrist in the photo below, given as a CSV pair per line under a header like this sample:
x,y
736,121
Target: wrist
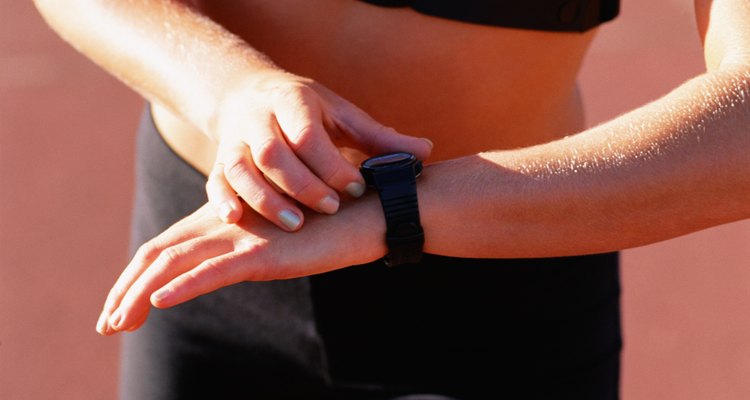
x,y
394,177
360,227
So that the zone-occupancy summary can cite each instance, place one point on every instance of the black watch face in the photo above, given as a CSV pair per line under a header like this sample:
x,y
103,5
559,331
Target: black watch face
x,y
394,159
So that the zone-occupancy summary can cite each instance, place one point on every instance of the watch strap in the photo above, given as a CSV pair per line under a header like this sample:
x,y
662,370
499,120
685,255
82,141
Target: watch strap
x,y
404,234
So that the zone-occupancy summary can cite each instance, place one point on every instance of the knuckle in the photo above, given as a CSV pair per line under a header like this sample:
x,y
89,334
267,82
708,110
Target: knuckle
x,y
299,188
305,137
333,172
260,200
214,179
211,185
237,169
291,93
381,136
210,273
148,250
233,155
116,291
191,279
268,153
245,244
286,92
115,294
169,256
217,190
217,170
380,131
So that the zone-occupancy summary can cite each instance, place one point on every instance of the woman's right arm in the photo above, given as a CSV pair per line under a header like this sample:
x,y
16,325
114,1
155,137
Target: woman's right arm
x,y
270,125
165,50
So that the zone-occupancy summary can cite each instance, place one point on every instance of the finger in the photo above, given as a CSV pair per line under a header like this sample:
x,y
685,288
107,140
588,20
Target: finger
x,y
144,256
207,277
307,136
171,262
374,138
222,198
279,163
252,186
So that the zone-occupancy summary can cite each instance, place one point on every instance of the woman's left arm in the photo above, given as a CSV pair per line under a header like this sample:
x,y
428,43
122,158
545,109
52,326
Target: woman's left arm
x,y
671,167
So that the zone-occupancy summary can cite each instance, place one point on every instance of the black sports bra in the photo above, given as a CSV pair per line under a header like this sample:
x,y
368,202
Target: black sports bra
x,y
549,15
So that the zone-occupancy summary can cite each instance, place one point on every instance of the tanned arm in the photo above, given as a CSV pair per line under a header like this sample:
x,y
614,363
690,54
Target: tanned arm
x,y
167,51
669,168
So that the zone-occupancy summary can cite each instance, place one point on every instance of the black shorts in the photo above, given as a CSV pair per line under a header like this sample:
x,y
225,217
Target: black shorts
x,y
445,328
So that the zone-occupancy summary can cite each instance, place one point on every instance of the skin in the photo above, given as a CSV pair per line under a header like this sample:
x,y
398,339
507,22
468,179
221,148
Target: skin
x,y
506,181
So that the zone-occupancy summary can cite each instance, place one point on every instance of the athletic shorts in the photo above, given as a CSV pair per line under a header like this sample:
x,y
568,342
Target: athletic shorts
x,y
447,328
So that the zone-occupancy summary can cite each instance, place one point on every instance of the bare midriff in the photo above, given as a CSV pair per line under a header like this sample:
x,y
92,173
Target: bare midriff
x,y
467,87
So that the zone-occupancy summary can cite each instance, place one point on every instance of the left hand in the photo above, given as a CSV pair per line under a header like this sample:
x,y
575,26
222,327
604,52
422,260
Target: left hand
x,y
200,254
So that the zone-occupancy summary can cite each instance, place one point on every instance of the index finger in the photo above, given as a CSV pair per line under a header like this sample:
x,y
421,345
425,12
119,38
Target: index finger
x,y
375,138
307,135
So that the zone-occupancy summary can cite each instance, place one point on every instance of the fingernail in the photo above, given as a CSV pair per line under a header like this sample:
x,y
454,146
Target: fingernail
x,y
224,210
355,189
101,323
115,319
290,219
161,294
328,205
429,142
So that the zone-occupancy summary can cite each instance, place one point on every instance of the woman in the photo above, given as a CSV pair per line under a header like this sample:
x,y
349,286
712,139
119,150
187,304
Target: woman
x,y
254,111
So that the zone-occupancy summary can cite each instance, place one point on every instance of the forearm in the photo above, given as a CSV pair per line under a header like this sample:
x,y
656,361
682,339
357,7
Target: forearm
x,y
165,50
669,168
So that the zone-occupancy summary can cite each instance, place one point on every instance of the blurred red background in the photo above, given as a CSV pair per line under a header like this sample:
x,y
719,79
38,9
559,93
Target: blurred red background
x,y
66,145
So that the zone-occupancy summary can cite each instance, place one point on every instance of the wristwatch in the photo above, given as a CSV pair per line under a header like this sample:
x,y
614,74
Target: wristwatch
x,y
394,176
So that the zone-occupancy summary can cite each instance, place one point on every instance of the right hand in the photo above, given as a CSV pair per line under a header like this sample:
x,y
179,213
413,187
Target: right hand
x,y
278,138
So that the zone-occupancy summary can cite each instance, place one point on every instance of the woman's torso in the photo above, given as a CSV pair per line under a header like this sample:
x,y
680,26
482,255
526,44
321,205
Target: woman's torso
x,y
467,87
542,325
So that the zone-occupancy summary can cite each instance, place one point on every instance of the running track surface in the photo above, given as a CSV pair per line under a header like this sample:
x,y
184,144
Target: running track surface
x,y
66,144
